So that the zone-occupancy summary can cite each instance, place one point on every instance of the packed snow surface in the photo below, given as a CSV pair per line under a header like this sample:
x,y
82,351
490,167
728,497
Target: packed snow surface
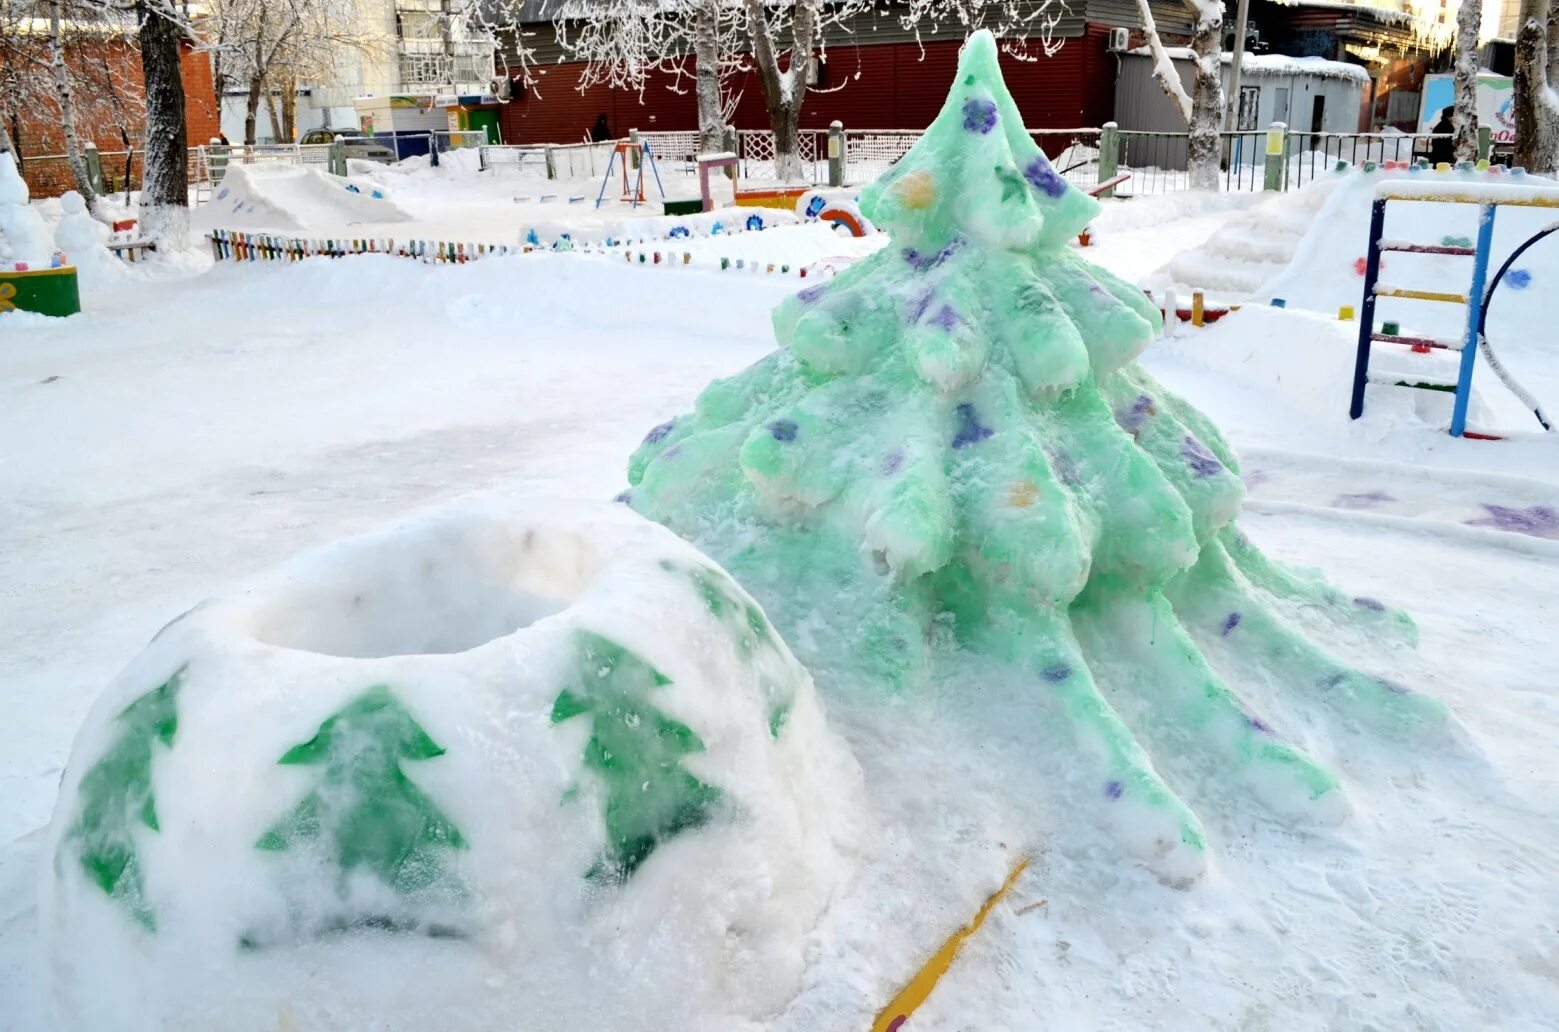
x,y
195,428
277,197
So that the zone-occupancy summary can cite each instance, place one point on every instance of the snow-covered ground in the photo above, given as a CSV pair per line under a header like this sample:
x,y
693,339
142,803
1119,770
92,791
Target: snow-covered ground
x,y
199,425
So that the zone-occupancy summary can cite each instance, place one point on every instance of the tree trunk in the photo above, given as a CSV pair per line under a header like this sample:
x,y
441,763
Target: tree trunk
x,y
289,108
1553,42
270,112
252,109
165,178
1469,19
706,57
1203,148
1533,100
784,90
6,144
73,155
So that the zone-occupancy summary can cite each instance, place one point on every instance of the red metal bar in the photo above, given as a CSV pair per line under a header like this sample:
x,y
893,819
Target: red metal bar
x,y
1420,344
1428,248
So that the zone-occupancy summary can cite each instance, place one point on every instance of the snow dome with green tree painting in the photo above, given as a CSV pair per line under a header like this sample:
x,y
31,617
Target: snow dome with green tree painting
x,y
469,773
953,453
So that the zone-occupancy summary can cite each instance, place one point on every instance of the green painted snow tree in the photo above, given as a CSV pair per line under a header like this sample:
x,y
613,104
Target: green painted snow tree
x,y
954,431
119,803
364,815
636,752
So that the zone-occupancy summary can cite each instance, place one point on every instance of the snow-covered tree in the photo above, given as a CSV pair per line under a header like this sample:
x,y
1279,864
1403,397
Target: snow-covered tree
x,y
1536,105
271,45
1469,19
1201,108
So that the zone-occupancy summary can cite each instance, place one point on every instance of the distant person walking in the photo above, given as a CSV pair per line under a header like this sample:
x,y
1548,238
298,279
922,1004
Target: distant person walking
x,y
600,132
1443,149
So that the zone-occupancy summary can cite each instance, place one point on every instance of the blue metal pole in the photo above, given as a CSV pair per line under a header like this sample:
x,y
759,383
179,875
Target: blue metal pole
x,y
606,178
1361,364
1480,273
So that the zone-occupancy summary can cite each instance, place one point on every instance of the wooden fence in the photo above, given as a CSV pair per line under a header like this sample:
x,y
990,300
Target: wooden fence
x,y
236,246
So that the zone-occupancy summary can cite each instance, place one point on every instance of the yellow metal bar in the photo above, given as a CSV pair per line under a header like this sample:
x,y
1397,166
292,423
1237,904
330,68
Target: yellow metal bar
x,y
919,988
1525,202
1421,295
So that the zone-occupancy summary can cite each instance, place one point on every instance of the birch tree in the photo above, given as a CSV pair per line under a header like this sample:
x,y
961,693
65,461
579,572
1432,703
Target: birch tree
x,y
1202,107
63,93
1536,107
1464,116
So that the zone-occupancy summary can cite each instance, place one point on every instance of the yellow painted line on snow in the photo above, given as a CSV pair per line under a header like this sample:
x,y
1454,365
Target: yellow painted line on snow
x,y
919,988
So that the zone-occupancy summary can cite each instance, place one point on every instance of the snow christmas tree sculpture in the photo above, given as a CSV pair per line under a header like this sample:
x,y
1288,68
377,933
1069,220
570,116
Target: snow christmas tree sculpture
x,y
954,434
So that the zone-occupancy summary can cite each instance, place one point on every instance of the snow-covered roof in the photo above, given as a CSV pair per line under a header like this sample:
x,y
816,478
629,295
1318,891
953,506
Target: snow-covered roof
x,y
1276,64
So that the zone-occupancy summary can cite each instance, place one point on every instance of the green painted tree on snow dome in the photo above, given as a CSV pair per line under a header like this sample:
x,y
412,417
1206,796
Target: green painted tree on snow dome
x,y
955,429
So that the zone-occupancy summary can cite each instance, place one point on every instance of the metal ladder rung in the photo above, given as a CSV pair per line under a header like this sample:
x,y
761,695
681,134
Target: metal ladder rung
x,y
1420,295
1419,342
1403,245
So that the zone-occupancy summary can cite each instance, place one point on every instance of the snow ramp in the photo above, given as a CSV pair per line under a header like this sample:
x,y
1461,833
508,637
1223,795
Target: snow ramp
x,y
291,197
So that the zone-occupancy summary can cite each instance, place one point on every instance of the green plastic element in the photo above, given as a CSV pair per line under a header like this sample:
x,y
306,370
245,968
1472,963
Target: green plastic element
x,y
636,751
692,207
46,291
953,451
364,813
117,795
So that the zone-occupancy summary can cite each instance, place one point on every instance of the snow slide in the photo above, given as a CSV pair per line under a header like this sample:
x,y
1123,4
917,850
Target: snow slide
x,y
291,197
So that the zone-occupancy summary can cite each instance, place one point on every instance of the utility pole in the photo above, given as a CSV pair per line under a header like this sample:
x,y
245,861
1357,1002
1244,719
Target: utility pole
x,y
1236,62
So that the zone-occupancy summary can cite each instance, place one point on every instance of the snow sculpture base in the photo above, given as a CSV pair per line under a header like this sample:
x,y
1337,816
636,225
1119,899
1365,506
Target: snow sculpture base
x,y
486,771
954,454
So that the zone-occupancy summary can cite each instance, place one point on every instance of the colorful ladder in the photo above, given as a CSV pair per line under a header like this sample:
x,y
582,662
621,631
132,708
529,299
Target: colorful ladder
x,y
1473,300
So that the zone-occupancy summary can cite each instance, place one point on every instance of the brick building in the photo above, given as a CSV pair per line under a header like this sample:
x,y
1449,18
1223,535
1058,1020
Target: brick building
x,y
110,109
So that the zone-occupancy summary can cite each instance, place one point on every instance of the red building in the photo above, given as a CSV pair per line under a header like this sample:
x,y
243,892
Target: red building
x,y
875,76
110,106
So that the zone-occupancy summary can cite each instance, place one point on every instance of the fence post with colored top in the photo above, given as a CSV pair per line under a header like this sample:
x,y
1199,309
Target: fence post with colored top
x,y
1277,138
836,153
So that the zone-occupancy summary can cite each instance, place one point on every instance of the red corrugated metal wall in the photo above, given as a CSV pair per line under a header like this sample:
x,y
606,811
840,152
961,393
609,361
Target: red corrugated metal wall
x,y
892,86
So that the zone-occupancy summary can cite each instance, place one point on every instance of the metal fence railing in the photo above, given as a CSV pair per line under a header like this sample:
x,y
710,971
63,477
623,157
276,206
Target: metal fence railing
x,y
1309,155
755,148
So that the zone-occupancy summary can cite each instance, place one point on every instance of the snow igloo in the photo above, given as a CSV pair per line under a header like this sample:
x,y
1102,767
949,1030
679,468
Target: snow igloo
x,y
492,769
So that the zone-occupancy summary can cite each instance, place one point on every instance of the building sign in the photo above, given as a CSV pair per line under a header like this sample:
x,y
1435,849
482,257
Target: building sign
x,y
1495,104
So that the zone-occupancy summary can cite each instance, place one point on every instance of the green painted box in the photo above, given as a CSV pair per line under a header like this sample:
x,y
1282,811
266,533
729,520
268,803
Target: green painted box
x,y
48,291
692,207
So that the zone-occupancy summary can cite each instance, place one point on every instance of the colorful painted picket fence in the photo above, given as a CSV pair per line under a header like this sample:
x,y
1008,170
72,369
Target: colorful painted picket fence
x,y
237,246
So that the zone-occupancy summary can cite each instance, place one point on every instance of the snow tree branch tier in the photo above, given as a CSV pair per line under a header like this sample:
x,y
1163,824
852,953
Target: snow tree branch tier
x,y
953,461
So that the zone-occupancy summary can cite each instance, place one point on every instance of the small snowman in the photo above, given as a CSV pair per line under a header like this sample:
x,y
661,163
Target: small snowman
x,y
78,234
22,229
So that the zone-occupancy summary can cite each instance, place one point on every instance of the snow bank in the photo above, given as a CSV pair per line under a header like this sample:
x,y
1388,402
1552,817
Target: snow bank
x,y
720,222
548,769
283,197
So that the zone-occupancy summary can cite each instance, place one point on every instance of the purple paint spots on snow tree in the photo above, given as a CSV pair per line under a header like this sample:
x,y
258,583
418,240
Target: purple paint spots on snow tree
x,y
1114,789
1065,469
1260,725
1365,500
1055,673
970,431
1538,521
1202,462
893,462
812,295
1043,178
626,497
1133,419
658,433
1365,602
921,305
979,115
946,319
783,430
1230,623
921,262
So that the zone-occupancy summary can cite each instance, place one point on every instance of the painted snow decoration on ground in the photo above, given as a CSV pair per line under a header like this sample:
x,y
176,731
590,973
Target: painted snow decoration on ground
x,y
658,227
954,456
502,737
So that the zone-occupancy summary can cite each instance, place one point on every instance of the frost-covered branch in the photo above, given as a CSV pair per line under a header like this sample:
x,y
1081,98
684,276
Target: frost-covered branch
x,y
1164,68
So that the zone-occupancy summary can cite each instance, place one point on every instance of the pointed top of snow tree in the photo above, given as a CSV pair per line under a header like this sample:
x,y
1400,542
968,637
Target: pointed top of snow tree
x,y
977,172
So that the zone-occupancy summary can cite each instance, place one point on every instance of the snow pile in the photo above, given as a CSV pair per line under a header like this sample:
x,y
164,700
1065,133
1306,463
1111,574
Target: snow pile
x,y
551,769
81,239
1251,248
23,236
288,197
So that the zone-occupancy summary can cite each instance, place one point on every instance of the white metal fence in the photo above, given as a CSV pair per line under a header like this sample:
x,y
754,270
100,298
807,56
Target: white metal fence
x,y
755,148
